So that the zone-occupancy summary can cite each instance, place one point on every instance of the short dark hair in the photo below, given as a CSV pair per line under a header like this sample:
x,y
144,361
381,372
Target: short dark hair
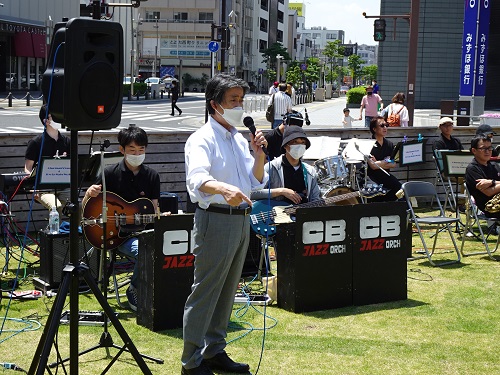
x,y
374,122
217,87
132,134
346,110
44,113
479,137
282,87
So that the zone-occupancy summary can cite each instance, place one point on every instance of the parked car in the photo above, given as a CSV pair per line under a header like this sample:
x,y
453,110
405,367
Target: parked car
x,y
126,80
168,82
343,90
155,84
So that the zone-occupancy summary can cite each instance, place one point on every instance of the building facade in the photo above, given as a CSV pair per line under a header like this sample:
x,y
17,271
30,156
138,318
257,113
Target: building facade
x,y
25,27
439,53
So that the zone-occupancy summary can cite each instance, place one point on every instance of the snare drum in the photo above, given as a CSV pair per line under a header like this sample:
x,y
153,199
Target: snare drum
x,y
331,169
339,190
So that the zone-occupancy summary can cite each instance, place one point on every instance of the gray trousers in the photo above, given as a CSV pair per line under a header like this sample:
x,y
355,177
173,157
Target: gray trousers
x,y
220,246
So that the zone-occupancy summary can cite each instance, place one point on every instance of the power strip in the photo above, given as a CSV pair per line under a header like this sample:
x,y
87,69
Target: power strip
x,y
252,299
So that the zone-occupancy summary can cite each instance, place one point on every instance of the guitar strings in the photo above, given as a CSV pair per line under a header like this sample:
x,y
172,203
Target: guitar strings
x,y
266,216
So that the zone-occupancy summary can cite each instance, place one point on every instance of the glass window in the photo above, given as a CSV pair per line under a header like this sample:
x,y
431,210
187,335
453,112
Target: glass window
x,y
263,24
280,16
262,45
206,16
180,16
264,4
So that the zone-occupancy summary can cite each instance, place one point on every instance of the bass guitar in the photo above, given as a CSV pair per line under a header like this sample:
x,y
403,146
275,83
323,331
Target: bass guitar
x,y
266,214
124,219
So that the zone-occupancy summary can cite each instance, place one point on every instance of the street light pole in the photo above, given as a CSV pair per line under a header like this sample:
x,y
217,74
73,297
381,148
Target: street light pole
x,y
413,18
156,48
278,70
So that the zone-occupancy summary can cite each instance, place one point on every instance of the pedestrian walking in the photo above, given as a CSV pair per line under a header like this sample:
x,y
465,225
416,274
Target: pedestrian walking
x,y
174,95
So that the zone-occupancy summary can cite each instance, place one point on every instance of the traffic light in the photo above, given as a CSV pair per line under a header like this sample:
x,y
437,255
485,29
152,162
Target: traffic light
x,y
379,30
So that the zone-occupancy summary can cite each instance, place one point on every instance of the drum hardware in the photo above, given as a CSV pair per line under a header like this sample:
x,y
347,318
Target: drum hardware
x,y
331,169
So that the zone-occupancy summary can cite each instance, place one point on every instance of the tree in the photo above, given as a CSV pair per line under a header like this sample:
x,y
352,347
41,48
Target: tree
x,y
334,51
370,72
354,63
269,54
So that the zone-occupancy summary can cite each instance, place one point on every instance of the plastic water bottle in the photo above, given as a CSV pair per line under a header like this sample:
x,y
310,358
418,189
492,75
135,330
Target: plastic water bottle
x,y
54,221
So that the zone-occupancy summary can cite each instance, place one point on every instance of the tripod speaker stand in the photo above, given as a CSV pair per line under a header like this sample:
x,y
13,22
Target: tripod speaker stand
x,y
72,272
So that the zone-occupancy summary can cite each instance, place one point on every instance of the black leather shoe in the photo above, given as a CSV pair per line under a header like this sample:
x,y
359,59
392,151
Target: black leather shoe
x,y
200,370
222,362
180,113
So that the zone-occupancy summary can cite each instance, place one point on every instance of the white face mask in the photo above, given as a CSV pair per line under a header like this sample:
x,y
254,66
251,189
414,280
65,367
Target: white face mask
x,y
135,160
233,116
297,151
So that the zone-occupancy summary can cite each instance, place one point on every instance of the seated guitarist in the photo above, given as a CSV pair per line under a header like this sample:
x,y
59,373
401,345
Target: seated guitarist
x,y
289,178
131,180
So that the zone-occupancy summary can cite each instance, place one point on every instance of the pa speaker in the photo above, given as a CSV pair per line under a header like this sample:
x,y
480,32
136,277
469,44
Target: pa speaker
x,y
54,255
83,82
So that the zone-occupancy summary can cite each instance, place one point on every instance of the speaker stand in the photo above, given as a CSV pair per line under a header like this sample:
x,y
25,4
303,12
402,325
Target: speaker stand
x,y
263,256
69,284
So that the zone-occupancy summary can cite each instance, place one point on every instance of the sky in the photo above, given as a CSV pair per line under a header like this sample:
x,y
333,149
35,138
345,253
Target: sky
x,y
344,15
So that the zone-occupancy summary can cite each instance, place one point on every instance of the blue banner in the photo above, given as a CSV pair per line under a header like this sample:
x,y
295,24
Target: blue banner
x,y
468,47
482,47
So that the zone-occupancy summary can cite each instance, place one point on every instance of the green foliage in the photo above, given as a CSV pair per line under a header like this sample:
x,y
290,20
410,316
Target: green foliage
x,y
355,95
270,74
334,51
354,63
370,72
294,75
188,80
139,87
204,79
269,54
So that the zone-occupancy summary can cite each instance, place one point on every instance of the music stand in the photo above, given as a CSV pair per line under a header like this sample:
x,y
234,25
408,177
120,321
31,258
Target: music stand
x,y
455,163
409,153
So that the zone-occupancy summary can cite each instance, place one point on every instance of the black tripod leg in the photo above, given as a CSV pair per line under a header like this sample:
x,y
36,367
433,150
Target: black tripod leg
x,y
44,345
118,326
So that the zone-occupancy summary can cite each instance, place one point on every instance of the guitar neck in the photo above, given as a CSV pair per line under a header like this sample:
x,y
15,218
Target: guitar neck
x,y
323,202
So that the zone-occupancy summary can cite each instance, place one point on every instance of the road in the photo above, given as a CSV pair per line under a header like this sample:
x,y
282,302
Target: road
x,y
154,115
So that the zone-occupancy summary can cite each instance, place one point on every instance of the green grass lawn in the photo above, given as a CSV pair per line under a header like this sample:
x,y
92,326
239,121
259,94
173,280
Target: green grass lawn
x,y
448,325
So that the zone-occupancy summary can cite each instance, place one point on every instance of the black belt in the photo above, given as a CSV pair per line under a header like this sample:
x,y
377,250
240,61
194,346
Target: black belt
x,y
228,211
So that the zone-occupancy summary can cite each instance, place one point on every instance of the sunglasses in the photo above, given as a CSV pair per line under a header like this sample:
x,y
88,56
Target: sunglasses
x,y
383,125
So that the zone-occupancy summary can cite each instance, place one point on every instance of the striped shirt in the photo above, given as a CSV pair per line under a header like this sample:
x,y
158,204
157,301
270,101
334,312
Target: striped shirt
x,y
282,104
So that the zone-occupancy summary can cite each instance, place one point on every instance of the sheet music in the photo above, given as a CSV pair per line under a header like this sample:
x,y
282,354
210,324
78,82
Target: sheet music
x,y
322,147
365,146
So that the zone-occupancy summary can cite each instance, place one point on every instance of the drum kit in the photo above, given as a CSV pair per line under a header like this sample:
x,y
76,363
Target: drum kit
x,y
342,173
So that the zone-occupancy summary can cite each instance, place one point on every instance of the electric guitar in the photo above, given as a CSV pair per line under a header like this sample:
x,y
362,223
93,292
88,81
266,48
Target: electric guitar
x,y
266,214
124,219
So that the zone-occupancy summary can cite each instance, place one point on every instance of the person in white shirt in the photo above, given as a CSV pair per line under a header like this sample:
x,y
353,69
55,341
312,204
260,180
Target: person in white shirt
x,y
398,107
347,119
274,88
282,105
220,174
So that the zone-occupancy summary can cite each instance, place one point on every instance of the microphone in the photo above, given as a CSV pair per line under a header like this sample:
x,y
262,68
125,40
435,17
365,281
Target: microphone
x,y
248,122
307,117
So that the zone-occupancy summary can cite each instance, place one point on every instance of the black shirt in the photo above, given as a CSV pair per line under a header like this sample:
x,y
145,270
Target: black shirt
x,y
174,92
50,146
380,152
122,181
274,140
294,179
476,171
447,144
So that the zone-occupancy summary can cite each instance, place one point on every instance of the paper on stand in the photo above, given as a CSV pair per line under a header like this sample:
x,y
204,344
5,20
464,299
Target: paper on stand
x,y
351,153
322,147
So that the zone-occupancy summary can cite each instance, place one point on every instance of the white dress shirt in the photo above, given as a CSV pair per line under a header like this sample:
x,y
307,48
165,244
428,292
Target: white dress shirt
x,y
213,153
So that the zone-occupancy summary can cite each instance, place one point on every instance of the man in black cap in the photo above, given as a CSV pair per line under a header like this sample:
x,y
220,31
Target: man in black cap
x,y
275,136
289,178
488,131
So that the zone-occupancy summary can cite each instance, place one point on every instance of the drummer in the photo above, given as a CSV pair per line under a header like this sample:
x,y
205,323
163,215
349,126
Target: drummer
x,y
380,157
289,178
275,136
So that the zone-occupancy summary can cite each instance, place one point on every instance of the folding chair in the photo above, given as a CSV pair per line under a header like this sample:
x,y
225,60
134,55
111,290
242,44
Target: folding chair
x,y
475,216
425,191
444,182
120,267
